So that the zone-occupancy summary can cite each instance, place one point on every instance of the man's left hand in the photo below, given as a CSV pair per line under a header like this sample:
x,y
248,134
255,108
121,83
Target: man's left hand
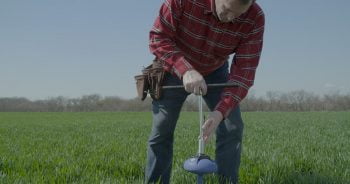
x,y
210,124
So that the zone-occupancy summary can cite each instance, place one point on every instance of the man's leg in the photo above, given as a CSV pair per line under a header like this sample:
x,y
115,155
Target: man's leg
x,y
160,143
228,147
228,133
228,143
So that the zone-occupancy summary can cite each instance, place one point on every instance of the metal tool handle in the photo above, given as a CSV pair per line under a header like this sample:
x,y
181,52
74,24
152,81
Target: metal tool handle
x,y
201,121
217,85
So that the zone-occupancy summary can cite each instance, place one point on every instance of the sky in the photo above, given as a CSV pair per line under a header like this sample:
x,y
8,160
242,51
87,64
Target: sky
x,y
73,48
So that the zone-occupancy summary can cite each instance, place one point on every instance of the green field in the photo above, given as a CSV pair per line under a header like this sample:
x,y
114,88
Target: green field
x,y
286,147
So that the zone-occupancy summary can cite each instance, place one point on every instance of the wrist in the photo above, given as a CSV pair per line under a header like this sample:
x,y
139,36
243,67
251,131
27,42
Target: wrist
x,y
225,106
181,67
219,116
187,72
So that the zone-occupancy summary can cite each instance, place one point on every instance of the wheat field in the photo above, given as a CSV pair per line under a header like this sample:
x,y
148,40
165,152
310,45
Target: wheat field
x,y
110,147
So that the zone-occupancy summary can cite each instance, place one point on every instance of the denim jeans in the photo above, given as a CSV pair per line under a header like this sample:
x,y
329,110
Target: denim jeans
x,y
165,115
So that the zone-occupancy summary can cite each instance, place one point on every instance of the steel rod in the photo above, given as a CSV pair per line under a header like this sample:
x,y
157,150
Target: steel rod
x,y
201,139
231,84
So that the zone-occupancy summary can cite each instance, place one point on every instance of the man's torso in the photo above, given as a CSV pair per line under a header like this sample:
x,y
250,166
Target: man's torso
x,y
206,42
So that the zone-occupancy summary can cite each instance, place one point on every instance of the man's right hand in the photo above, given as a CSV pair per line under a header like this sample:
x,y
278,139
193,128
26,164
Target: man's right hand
x,y
194,82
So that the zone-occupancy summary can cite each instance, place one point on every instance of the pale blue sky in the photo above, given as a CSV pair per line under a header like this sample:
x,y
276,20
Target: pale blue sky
x,y
77,47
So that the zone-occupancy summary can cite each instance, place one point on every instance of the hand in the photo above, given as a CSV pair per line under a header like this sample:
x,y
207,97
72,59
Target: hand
x,y
194,82
210,124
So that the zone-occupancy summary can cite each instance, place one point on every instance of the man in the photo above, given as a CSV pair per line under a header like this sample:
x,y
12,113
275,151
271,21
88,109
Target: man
x,y
194,39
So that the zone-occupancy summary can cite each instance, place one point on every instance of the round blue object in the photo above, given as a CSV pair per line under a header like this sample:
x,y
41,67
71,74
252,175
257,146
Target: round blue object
x,y
200,165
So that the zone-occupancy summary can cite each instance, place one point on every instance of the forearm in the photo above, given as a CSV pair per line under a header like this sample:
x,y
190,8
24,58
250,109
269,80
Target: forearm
x,y
165,50
162,39
232,96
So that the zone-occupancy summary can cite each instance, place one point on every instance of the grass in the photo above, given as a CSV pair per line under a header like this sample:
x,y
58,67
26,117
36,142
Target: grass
x,y
102,147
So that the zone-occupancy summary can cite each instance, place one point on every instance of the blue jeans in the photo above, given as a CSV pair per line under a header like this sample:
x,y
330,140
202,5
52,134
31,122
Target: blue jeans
x,y
165,115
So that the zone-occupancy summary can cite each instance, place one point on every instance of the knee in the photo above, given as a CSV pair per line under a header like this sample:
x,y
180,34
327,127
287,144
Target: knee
x,y
234,123
234,120
159,139
161,134
231,125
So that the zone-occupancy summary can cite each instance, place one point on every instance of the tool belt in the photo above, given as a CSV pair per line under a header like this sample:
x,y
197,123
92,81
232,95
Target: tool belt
x,y
150,81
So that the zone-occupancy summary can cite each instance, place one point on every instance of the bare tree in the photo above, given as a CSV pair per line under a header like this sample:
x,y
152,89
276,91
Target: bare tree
x,y
273,101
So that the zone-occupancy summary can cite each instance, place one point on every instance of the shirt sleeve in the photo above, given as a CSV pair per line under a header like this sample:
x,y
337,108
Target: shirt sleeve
x,y
162,38
243,67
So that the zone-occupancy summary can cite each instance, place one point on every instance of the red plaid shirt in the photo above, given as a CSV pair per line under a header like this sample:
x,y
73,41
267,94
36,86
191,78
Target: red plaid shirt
x,y
187,35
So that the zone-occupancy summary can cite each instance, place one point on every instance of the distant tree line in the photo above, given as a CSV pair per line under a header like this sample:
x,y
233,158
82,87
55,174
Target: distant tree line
x,y
272,101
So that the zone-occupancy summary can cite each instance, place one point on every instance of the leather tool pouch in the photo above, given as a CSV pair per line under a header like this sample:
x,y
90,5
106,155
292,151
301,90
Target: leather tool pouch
x,y
150,81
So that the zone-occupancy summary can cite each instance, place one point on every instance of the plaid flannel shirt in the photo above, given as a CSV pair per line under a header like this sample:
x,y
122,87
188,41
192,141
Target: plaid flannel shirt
x,y
187,35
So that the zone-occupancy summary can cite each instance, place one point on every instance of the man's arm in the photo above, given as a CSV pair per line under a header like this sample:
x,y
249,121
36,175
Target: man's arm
x,y
243,67
162,35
